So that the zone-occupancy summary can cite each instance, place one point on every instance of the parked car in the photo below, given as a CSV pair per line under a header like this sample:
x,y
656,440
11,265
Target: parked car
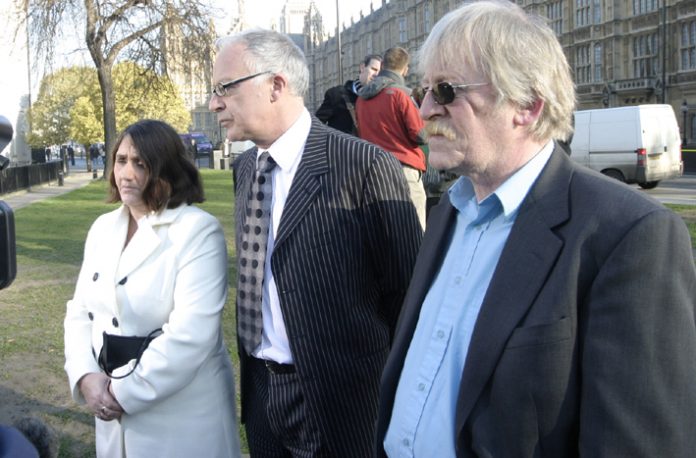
x,y
637,144
199,142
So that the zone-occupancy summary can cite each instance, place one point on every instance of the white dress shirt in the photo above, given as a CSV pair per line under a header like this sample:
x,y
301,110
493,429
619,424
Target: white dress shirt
x,y
286,151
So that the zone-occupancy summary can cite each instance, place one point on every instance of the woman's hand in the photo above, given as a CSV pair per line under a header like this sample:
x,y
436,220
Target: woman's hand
x,y
100,400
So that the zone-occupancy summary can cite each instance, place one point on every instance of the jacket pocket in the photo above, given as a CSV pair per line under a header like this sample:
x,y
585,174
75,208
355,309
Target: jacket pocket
x,y
542,334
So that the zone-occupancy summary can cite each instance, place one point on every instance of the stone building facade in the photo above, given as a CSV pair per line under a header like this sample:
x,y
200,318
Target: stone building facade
x,y
622,52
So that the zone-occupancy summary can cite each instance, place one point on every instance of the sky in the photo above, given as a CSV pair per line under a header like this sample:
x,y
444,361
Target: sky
x,y
260,13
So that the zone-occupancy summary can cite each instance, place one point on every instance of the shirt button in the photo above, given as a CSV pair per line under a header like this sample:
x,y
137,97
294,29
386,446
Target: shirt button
x,y
457,280
440,334
421,386
114,321
406,442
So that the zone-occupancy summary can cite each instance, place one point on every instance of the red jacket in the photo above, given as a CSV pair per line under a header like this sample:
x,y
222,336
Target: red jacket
x,y
389,118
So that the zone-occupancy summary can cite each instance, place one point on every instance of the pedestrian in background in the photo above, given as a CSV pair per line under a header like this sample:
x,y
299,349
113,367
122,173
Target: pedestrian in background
x,y
338,108
551,310
389,118
155,266
326,238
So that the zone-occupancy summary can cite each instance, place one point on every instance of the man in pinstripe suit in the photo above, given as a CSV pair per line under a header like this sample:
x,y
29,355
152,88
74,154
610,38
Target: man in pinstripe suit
x,y
342,242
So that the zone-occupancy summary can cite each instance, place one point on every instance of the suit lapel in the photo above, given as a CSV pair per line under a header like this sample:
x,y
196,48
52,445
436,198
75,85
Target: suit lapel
x,y
529,254
306,183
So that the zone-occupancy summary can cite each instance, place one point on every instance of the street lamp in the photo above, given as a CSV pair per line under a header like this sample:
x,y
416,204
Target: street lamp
x,y
684,110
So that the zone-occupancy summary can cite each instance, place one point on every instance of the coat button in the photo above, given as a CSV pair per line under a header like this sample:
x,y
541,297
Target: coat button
x,y
95,276
91,316
114,321
94,353
123,281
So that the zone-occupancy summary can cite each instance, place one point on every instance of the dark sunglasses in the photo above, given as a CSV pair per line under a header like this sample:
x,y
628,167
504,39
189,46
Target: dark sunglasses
x,y
443,93
220,89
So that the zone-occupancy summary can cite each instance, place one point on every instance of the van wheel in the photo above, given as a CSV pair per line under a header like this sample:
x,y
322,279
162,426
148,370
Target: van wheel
x,y
648,184
615,174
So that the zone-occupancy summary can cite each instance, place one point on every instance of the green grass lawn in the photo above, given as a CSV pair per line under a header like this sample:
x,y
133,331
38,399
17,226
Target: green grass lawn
x,y
50,240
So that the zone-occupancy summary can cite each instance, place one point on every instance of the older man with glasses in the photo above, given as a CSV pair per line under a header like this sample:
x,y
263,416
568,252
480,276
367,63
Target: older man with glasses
x,y
326,238
551,310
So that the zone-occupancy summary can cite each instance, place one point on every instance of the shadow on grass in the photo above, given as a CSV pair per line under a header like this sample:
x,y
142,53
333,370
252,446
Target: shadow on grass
x,y
74,428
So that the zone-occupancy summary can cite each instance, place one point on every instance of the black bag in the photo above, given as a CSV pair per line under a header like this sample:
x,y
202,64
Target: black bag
x,y
116,351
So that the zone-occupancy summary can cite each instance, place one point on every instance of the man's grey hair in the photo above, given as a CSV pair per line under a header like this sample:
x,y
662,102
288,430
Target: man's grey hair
x,y
516,52
267,50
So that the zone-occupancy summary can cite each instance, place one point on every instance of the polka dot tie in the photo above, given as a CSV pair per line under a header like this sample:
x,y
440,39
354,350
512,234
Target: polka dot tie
x,y
252,255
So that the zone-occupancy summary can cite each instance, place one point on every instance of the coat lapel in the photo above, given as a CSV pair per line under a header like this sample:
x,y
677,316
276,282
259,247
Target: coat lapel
x,y
306,183
145,241
529,254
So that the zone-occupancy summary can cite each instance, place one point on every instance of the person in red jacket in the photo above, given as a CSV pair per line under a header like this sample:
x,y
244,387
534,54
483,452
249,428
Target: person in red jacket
x,y
389,118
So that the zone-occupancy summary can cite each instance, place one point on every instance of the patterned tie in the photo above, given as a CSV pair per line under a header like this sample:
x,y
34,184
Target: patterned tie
x,y
252,255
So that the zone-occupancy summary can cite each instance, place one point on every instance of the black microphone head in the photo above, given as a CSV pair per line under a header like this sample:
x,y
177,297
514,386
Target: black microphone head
x,y
6,132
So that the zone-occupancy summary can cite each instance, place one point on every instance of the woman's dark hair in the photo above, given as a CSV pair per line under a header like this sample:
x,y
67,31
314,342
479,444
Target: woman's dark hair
x,y
171,178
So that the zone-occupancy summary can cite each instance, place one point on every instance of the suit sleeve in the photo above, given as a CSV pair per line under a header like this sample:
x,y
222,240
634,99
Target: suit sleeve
x,y
638,355
394,233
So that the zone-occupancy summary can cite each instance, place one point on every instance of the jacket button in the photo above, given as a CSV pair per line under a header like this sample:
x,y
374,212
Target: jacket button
x,y
123,281
95,276
114,321
91,316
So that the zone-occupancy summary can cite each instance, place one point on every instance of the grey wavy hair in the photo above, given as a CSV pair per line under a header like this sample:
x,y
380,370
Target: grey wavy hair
x,y
516,52
267,50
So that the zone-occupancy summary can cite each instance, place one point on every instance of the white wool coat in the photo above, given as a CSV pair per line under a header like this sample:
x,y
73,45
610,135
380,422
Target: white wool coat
x,y
180,400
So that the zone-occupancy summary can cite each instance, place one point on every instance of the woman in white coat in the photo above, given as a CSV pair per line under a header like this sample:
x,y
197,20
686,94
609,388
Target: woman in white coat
x,y
155,262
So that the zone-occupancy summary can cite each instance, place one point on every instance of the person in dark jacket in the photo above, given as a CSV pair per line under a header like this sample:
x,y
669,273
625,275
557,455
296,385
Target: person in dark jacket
x,y
338,108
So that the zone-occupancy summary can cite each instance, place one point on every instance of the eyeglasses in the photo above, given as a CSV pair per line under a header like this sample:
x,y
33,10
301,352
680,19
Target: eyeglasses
x,y
220,89
443,93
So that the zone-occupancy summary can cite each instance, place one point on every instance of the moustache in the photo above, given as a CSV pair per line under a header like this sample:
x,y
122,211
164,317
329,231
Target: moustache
x,y
439,128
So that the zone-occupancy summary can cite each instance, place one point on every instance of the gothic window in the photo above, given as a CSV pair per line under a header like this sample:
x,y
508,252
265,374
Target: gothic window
x,y
582,64
582,13
554,12
688,45
645,62
644,6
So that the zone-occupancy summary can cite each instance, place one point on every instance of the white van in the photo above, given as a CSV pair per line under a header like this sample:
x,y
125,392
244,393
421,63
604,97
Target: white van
x,y
637,144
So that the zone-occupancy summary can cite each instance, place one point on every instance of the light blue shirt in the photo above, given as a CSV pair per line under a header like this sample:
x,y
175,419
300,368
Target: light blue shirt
x,y
423,418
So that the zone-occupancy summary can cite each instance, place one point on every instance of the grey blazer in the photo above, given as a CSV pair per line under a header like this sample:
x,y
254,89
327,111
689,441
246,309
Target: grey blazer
x,y
586,339
343,256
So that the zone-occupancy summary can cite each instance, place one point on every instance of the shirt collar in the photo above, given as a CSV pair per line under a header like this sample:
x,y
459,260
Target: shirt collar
x,y
512,192
288,147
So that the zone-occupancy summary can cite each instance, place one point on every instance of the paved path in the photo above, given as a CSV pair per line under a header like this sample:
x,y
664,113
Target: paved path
x,y
76,179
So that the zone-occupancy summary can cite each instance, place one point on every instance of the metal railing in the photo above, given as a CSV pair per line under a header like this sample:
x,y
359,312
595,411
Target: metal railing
x,y
23,177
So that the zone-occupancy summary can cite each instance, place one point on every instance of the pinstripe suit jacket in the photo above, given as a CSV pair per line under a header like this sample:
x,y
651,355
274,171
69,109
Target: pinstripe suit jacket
x,y
343,256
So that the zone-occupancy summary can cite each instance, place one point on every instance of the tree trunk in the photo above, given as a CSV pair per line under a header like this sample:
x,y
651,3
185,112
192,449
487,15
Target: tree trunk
x,y
109,104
